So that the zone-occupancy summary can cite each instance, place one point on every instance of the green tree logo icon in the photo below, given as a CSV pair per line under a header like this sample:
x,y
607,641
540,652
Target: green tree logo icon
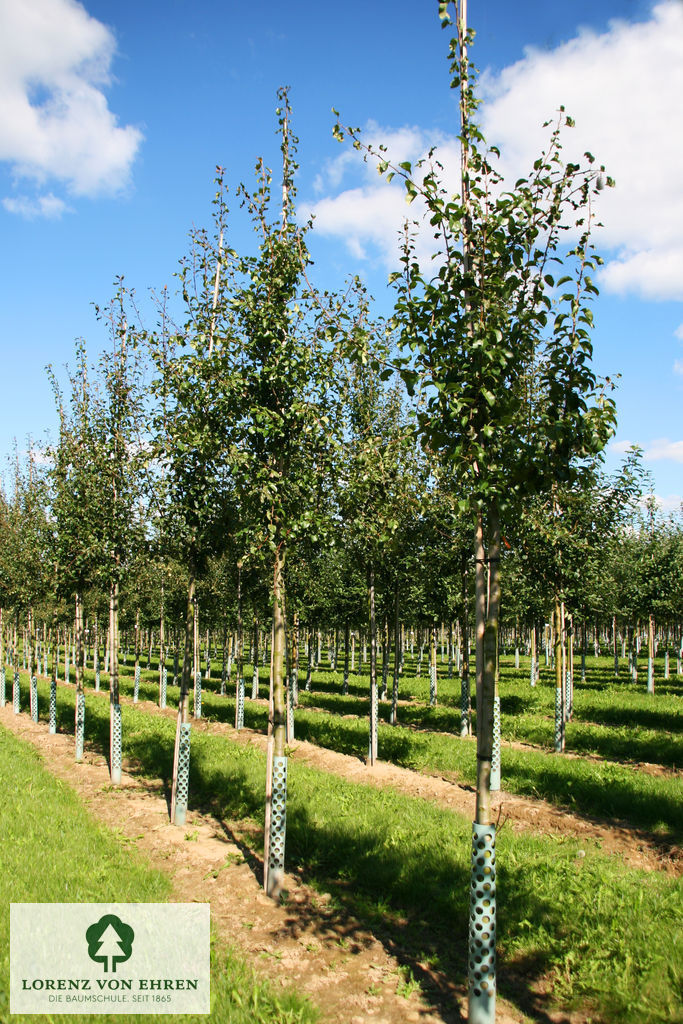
x,y
110,941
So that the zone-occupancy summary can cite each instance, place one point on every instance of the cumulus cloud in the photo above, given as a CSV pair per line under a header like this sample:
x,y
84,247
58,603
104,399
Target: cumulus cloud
x,y
55,123
678,366
654,451
623,89
369,217
663,448
678,333
48,206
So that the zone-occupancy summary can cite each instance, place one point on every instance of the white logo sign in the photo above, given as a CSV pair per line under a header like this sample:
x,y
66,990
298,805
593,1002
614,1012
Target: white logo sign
x,y
109,958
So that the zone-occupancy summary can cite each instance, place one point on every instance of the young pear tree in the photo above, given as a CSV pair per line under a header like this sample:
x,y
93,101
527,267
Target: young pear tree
x,y
472,321
76,505
282,406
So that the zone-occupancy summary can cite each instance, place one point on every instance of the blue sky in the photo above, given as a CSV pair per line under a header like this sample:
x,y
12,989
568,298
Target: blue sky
x,y
113,117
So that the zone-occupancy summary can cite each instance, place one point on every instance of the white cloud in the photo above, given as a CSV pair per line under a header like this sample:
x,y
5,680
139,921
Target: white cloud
x,y
678,366
370,217
55,123
621,447
623,89
665,503
663,448
48,206
678,333
653,451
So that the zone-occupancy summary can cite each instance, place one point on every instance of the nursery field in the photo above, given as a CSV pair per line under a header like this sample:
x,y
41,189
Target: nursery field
x,y
373,923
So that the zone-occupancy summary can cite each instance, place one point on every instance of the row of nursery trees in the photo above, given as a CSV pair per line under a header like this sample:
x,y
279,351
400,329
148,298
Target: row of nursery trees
x,y
270,451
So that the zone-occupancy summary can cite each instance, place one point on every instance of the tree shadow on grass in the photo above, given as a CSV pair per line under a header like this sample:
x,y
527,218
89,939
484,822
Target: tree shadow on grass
x,y
410,887
413,894
648,813
645,718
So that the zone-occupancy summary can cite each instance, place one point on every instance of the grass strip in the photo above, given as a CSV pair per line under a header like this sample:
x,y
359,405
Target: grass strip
x,y
603,936
53,851
602,789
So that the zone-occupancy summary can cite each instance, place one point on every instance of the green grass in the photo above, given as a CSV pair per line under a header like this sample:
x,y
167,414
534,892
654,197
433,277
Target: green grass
x,y
606,938
52,851
589,787
604,788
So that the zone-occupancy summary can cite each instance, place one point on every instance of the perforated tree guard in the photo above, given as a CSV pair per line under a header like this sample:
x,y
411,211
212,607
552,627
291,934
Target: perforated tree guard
x,y
3,687
66,669
53,707
278,827
532,677
115,753
374,715
163,688
239,704
45,664
570,695
136,685
495,760
80,725
559,722
97,678
289,724
482,936
198,695
650,675
16,694
183,783
432,685
34,698
465,706
294,682
254,684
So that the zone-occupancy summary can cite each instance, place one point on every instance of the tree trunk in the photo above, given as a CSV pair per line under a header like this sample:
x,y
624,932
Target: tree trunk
x,y
276,784
559,688
80,695
372,748
432,666
181,757
397,658
114,699
162,652
487,577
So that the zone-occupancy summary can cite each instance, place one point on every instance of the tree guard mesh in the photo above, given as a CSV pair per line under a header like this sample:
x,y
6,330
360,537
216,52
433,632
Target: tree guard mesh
x,y
482,934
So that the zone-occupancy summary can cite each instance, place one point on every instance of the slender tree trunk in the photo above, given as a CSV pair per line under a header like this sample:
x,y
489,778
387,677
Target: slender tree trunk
x,y
179,793
33,664
345,684
114,697
559,688
372,749
162,651
432,666
80,695
196,667
136,670
397,657
276,783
